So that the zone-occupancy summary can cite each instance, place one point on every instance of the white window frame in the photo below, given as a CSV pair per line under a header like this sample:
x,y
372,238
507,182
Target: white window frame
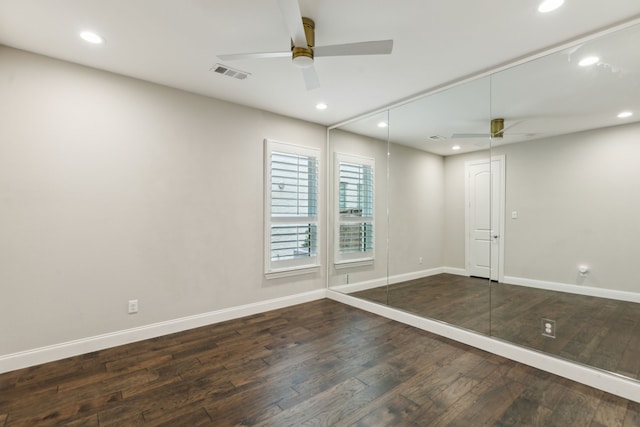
x,y
289,267
352,259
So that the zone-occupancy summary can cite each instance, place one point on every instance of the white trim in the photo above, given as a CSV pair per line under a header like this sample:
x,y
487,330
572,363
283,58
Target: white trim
x,y
399,278
276,269
353,263
574,289
382,281
50,353
293,271
455,270
353,257
606,381
501,202
360,286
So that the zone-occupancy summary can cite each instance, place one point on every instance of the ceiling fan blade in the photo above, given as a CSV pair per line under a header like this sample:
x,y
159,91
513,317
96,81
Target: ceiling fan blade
x,y
293,19
469,135
517,122
380,47
257,55
311,79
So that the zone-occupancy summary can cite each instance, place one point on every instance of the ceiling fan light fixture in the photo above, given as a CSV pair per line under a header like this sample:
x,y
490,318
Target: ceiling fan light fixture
x,y
302,58
549,5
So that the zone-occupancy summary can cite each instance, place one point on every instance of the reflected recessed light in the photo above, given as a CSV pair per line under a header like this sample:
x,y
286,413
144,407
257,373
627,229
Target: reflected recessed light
x,y
625,114
456,147
321,106
589,60
549,5
91,37
382,124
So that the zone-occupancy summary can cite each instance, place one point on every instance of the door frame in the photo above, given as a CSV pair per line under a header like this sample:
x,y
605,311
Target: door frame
x,y
497,200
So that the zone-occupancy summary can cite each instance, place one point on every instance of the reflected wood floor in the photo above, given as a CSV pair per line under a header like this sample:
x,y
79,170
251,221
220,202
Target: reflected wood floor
x,y
599,332
321,363
458,300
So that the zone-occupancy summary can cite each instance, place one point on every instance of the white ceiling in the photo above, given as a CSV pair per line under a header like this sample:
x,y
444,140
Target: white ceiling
x,y
546,96
175,43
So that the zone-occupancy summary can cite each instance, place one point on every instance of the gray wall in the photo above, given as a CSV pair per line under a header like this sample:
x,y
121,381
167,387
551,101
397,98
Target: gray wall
x,y
416,210
578,202
114,189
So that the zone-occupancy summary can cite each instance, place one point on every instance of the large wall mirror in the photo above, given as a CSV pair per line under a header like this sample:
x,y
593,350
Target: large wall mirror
x,y
508,205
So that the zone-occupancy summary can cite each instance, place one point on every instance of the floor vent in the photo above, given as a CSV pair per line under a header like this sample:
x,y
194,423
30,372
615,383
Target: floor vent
x,y
230,72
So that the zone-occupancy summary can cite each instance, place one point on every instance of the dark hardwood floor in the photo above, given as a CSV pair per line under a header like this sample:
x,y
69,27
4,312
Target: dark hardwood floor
x,y
458,300
318,364
599,332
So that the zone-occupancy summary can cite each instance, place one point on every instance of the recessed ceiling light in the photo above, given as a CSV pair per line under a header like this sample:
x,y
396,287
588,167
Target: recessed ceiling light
x,y
456,147
549,5
589,60
625,114
321,106
382,124
91,37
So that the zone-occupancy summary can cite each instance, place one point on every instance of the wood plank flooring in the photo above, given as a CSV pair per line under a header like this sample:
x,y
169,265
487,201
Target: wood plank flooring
x,y
318,364
595,331
458,300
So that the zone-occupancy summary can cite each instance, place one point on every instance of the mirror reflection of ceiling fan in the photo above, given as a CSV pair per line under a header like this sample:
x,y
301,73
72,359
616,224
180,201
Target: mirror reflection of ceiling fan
x,y
303,49
497,131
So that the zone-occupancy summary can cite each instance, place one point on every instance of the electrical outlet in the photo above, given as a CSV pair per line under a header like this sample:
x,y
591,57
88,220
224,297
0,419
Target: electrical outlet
x,y
133,306
549,328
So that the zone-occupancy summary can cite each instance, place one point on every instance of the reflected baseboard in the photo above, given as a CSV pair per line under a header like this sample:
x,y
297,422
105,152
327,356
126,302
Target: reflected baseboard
x,y
398,278
573,289
603,380
456,271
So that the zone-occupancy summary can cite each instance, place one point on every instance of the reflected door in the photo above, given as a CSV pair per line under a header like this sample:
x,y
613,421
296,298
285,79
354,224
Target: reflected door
x,y
484,216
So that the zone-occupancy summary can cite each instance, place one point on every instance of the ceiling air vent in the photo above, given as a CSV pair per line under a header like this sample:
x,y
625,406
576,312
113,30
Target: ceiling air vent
x,y
437,138
230,72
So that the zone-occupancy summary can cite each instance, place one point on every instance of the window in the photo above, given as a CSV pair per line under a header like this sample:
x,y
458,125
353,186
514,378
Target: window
x,y
291,210
355,209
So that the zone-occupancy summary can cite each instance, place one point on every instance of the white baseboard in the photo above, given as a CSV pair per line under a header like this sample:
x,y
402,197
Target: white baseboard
x,y
455,270
398,278
611,383
574,289
376,283
360,286
50,353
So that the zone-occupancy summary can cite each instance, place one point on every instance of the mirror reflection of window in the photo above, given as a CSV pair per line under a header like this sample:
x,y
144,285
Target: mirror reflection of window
x,y
355,231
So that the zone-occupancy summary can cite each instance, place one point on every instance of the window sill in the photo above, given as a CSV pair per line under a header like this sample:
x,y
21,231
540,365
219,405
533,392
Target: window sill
x,y
289,272
354,263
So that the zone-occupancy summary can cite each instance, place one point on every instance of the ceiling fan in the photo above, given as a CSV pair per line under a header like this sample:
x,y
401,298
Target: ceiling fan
x,y
497,131
303,49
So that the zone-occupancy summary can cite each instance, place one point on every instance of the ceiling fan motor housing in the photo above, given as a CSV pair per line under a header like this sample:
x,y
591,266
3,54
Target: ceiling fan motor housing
x,y
497,127
303,56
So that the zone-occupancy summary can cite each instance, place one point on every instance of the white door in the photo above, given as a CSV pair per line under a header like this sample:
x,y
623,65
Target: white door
x,y
485,207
